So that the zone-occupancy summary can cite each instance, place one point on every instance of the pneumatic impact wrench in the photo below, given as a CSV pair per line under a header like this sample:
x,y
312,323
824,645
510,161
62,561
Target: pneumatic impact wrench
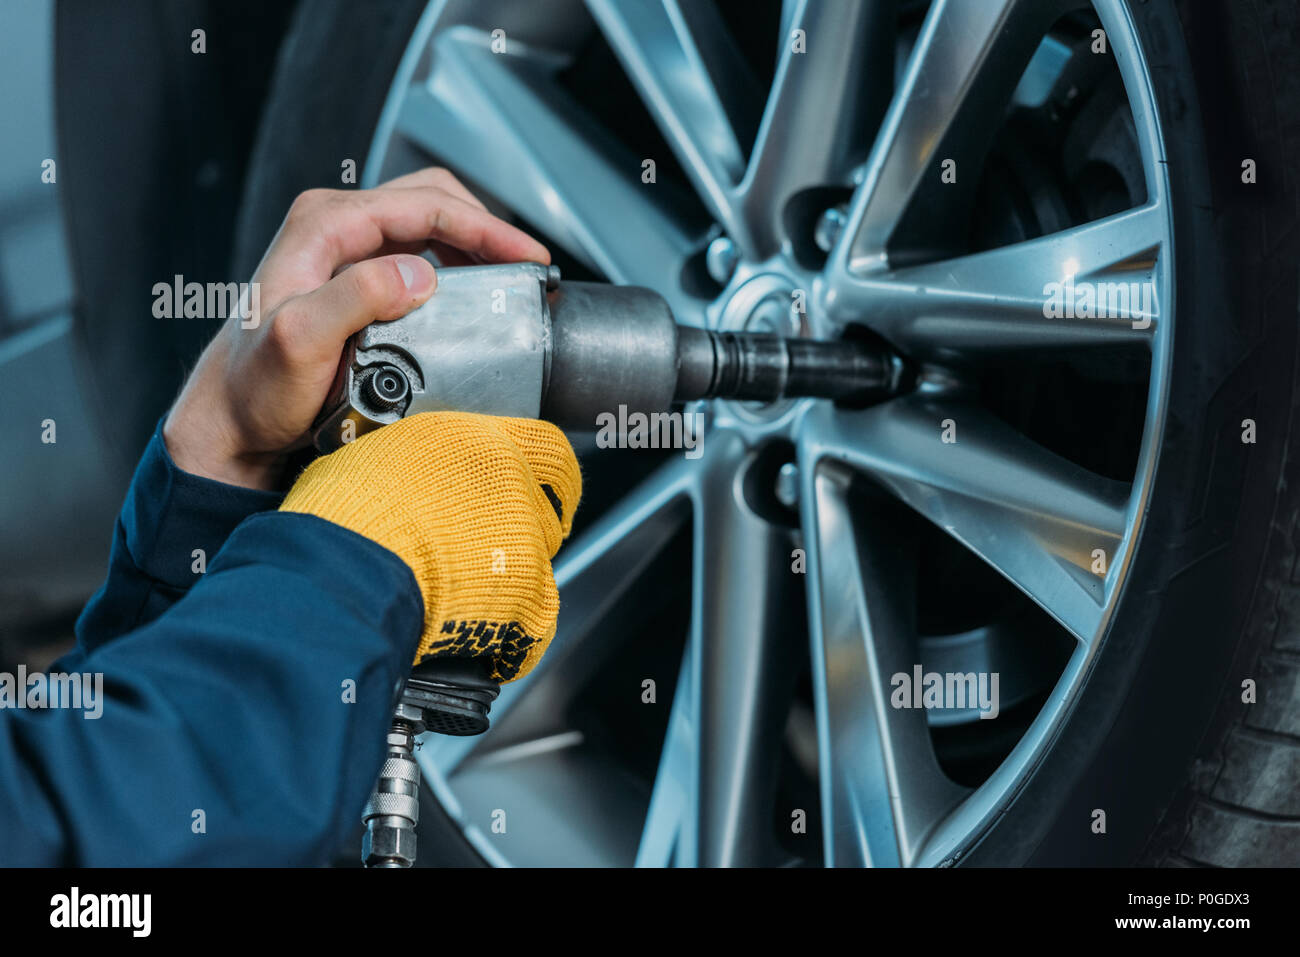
x,y
513,340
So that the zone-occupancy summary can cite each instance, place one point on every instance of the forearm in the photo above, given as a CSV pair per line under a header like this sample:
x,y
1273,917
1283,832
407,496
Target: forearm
x,y
243,726
171,525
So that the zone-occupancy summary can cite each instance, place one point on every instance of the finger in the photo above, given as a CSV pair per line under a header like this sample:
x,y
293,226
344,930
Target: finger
x,y
434,176
551,458
391,249
338,227
444,179
370,291
450,256
446,255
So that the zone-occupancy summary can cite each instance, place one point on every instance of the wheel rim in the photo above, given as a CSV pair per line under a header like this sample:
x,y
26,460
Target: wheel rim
x,y
1030,515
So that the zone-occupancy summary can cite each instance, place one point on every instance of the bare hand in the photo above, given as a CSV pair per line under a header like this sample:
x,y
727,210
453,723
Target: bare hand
x,y
341,260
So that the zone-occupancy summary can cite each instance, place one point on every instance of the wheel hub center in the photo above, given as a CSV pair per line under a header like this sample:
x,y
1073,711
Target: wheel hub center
x,y
767,302
760,301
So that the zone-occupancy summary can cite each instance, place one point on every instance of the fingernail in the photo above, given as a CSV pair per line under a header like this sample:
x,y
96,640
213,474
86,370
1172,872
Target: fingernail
x,y
408,274
417,274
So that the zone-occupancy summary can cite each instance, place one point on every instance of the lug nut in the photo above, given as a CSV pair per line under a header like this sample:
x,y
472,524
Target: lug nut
x,y
829,226
720,259
787,485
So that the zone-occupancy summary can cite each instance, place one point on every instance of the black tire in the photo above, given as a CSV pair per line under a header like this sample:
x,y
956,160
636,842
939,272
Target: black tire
x,y
155,160
1160,739
330,82
1240,800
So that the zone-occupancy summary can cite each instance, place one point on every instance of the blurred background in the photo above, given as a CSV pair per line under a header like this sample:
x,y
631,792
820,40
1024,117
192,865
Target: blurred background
x,y
150,161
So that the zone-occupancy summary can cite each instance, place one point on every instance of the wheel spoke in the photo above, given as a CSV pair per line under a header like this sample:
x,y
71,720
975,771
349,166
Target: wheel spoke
x,y
502,122
1037,519
593,573
744,598
669,832
966,63
1091,286
826,100
882,788
697,86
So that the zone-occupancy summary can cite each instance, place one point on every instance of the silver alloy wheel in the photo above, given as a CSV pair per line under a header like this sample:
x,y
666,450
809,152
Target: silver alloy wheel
x,y
1037,519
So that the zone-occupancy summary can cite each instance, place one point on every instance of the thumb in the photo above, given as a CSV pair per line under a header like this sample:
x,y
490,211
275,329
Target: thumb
x,y
372,290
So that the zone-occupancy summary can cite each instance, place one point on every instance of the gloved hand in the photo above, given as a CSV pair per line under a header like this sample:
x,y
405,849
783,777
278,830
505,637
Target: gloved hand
x,y
477,506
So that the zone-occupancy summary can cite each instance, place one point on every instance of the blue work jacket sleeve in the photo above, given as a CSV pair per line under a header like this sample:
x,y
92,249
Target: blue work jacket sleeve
x,y
171,526
243,725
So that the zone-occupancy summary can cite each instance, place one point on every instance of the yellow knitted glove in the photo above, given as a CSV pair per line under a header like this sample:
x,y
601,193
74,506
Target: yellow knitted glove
x,y
470,503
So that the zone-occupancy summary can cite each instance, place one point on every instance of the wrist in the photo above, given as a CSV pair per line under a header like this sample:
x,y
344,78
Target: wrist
x,y
201,447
